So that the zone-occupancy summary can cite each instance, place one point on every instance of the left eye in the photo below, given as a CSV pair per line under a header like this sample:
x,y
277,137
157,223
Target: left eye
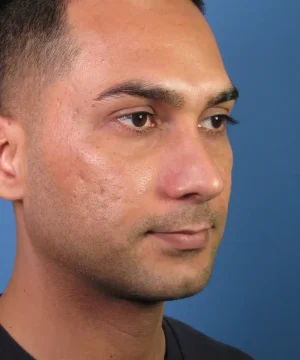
x,y
216,122
140,120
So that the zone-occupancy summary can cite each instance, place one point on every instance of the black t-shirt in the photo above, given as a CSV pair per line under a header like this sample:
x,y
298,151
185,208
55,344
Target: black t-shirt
x,y
182,343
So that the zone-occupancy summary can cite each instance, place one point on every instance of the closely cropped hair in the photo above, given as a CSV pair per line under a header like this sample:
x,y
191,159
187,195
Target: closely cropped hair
x,y
200,4
33,42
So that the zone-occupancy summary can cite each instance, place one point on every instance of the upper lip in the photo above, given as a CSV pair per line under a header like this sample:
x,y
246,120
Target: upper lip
x,y
187,231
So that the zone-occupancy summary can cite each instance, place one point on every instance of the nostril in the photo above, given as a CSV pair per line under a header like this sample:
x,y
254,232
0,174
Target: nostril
x,y
190,195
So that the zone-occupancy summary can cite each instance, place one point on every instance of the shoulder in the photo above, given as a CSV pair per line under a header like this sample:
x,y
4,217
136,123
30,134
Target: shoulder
x,y
194,343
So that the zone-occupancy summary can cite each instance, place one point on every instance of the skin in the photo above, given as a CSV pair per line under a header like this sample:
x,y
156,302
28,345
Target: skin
x,y
87,188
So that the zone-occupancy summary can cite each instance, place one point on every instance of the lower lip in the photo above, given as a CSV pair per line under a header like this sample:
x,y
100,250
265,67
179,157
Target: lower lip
x,y
182,241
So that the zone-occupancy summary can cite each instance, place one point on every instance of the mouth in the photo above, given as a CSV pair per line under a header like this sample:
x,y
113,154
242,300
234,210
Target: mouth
x,y
184,239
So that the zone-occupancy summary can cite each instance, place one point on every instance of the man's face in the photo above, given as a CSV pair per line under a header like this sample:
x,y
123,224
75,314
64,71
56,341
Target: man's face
x,y
102,186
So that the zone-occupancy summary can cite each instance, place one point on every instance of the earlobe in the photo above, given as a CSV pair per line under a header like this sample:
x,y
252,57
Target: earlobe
x,y
10,177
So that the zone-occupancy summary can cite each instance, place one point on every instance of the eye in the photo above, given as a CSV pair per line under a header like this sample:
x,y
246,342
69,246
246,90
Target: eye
x,y
139,120
217,122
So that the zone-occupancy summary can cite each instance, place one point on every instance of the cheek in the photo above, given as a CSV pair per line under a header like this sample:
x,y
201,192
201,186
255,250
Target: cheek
x,y
98,185
227,170
224,162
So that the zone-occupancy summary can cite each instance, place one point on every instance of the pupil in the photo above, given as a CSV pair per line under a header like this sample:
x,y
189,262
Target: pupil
x,y
139,120
217,121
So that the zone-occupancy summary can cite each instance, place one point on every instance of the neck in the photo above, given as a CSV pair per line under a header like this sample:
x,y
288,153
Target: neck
x,y
56,315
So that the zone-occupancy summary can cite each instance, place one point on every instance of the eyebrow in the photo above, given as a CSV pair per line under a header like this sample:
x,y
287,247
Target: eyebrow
x,y
156,92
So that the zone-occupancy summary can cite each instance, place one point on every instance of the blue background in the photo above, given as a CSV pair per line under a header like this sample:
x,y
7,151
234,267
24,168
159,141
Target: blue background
x,y
253,298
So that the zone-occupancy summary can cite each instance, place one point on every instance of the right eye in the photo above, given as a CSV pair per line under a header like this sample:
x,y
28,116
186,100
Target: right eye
x,y
140,121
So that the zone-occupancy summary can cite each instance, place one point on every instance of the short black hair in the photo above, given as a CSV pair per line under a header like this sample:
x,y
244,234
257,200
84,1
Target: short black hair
x,y
31,38
200,4
31,43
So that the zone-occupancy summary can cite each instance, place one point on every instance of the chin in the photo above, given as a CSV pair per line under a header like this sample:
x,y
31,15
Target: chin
x,y
188,286
176,287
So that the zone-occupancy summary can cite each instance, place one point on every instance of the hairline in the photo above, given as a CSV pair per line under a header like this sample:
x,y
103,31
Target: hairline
x,y
31,70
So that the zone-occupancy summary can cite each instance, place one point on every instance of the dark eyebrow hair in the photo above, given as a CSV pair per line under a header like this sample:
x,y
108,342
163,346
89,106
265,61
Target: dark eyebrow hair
x,y
157,92
230,94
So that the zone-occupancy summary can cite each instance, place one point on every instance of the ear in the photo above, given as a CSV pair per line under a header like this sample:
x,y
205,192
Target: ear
x,y
11,170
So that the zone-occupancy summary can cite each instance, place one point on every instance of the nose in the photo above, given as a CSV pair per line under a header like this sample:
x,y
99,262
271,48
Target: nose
x,y
189,171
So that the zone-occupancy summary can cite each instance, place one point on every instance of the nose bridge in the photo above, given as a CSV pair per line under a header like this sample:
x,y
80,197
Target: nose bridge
x,y
189,169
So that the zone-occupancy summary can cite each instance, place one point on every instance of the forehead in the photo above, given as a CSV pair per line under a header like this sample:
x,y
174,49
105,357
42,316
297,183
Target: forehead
x,y
146,38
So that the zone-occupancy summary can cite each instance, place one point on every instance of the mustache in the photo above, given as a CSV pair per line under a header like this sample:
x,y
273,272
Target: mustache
x,y
182,218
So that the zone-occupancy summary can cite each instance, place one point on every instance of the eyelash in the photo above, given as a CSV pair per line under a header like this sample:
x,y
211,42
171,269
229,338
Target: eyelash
x,y
228,121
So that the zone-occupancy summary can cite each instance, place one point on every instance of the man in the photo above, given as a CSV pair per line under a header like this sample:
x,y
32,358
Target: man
x,y
113,149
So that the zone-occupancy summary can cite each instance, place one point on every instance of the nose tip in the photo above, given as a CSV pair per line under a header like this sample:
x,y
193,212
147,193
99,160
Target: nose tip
x,y
193,176
203,182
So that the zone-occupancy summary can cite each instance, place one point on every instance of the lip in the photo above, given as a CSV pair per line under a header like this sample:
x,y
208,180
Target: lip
x,y
184,239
